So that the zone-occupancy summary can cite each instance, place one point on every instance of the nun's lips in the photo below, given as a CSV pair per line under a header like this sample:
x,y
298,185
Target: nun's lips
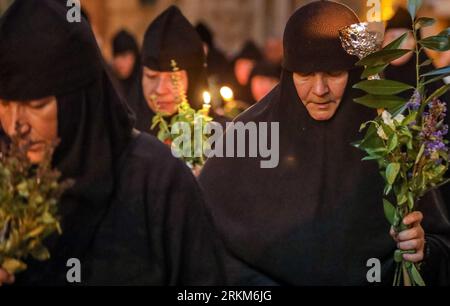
x,y
165,103
322,106
36,146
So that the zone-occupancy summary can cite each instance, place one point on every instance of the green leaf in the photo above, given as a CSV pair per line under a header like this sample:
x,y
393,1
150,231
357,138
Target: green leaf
x,y
413,7
435,79
41,253
437,43
426,63
423,22
377,101
397,43
392,171
382,57
382,87
387,189
398,256
416,276
445,70
439,92
371,157
13,266
393,142
402,195
419,155
371,139
410,201
369,71
389,211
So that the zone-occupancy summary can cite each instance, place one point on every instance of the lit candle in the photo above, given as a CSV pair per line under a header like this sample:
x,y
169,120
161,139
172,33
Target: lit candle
x,y
227,94
206,103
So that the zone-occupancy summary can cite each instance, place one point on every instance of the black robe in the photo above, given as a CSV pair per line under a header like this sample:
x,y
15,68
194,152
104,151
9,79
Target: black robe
x,y
153,232
317,218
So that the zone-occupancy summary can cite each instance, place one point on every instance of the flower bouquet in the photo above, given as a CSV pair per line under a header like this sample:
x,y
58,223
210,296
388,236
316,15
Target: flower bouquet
x,y
186,133
28,204
407,138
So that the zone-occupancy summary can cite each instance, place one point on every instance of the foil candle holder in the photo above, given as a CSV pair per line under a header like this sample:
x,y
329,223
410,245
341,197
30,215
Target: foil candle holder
x,y
360,40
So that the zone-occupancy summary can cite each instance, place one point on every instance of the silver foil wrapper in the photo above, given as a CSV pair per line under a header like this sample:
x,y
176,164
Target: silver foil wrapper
x,y
360,40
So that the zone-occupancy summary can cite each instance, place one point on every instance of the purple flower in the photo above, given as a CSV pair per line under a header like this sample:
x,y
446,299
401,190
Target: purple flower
x,y
432,134
415,101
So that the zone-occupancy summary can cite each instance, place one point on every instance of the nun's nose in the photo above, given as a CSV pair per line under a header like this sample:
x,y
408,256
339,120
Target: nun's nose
x,y
320,86
14,120
164,84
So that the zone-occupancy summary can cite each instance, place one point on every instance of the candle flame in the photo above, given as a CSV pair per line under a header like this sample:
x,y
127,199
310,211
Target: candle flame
x,y
226,93
206,97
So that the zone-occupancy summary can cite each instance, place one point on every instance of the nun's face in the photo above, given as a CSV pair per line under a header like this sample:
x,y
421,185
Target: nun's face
x,y
262,85
123,64
37,120
159,91
242,70
409,43
321,92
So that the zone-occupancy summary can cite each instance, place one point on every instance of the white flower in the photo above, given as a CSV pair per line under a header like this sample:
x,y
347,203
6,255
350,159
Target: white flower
x,y
381,133
399,118
387,119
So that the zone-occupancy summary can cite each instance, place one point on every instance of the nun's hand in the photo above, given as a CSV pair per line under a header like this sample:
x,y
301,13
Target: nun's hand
x,y
412,238
5,277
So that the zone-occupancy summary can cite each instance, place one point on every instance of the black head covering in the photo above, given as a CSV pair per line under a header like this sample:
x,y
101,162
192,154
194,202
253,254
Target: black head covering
x,y
124,42
171,36
249,51
312,34
49,56
308,220
205,33
18,60
401,19
266,69
85,15
219,68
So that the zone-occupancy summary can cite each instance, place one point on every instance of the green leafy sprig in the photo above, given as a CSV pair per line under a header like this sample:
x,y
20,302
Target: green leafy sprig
x,y
406,139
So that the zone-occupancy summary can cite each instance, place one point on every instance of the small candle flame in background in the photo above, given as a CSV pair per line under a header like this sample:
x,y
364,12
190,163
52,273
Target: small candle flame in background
x,y
226,93
206,103
206,97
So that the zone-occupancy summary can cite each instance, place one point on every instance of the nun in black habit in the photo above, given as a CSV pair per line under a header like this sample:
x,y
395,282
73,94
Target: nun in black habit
x,y
135,215
126,62
169,37
316,218
219,69
243,65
